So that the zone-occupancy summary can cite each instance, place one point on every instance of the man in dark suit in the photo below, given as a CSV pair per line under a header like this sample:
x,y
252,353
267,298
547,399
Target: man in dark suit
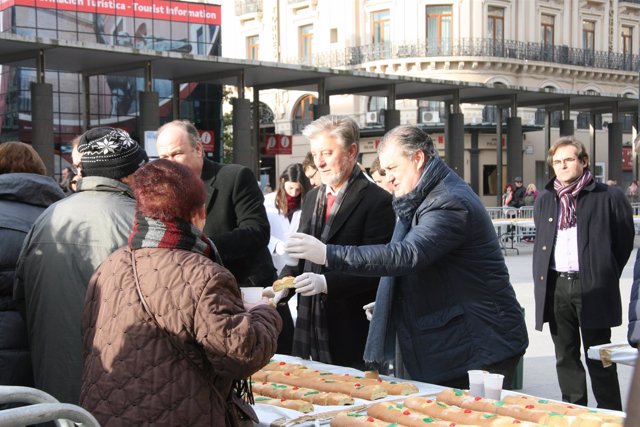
x,y
347,209
236,219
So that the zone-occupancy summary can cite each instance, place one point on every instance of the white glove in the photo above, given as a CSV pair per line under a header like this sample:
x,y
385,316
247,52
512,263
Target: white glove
x,y
304,246
281,250
275,296
368,310
308,284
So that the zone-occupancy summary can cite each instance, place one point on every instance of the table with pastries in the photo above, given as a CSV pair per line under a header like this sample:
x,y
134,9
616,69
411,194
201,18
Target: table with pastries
x,y
291,391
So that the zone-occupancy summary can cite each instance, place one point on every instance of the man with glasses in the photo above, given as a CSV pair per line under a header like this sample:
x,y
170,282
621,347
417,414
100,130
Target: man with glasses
x,y
584,238
310,170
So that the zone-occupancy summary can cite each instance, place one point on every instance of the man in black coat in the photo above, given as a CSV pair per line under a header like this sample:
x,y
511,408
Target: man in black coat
x,y
584,235
236,219
347,209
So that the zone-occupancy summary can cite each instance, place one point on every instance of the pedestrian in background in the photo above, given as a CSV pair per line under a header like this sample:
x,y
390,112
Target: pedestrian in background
x,y
25,192
584,235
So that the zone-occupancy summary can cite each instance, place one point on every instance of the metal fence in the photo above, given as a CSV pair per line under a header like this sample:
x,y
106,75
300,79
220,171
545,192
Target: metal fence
x,y
474,47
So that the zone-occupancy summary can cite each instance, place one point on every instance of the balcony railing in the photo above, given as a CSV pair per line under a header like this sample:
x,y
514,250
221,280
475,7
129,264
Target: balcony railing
x,y
508,49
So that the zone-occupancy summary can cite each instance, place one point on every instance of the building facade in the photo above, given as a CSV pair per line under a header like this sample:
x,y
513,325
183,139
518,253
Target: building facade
x,y
112,96
573,46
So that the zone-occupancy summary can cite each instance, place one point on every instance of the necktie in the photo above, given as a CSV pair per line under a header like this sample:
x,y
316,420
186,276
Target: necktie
x,y
330,200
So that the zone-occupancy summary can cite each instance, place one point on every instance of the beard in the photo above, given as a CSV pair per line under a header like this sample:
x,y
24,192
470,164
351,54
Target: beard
x,y
336,179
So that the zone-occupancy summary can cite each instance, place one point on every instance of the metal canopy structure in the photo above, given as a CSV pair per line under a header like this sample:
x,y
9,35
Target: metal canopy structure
x,y
89,59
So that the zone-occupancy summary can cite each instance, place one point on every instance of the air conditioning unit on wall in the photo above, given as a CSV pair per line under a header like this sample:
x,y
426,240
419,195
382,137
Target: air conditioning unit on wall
x,y
430,117
372,117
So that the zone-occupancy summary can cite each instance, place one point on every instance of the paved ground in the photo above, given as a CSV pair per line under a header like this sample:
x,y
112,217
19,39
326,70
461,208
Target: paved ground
x,y
539,362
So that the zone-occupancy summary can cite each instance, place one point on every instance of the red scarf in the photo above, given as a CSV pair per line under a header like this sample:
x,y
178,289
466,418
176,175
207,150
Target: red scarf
x,y
293,203
568,196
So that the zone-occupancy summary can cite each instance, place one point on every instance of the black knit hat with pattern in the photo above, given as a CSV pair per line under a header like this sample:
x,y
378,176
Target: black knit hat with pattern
x,y
110,152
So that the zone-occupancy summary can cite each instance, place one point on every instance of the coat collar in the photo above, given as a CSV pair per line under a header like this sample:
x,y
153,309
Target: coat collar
x,y
101,183
405,206
209,174
589,187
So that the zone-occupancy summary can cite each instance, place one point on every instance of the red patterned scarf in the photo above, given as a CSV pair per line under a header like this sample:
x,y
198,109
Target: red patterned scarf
x,y
152,233
568,195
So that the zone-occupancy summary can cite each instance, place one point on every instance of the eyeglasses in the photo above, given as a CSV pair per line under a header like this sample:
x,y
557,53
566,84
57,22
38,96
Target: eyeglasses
x,y
567,161
315,171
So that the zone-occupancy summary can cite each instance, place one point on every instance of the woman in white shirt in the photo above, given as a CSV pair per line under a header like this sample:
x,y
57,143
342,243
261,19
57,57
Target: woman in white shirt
x,y
283,210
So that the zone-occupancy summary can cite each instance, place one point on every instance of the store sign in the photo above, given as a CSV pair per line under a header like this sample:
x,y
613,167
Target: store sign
x,y
207,137
627,158
277,144
196,13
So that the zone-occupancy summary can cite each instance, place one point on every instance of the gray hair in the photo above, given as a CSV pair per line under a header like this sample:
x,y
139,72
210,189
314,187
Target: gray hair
x,y
187,127
411,139
343,128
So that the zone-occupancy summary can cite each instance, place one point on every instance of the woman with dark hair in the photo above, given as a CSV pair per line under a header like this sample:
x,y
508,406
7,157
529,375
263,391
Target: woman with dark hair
x,y
25,191
167,337
283,208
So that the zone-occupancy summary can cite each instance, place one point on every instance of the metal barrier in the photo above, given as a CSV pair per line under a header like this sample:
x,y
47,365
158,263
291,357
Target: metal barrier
x,y
41,407
512,226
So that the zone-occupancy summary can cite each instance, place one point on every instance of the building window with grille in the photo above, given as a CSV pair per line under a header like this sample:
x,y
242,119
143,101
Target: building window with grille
x,y
547,29
253,47
305,40
495,30
627,46
439,30
588,41
303,113
380,27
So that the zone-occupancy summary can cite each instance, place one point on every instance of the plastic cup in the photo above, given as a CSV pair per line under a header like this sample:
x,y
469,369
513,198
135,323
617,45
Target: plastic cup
x,y
251,294
476,382
493,386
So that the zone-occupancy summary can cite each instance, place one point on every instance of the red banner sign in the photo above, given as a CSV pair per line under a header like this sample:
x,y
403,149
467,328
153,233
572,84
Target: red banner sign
x,y
196,13
277,144
627,158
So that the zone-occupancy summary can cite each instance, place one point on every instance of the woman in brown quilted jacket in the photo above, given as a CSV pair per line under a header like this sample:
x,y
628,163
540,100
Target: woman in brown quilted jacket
x,y
165,331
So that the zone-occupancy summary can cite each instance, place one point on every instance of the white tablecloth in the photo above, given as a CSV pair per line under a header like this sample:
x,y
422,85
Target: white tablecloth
x,y
614,353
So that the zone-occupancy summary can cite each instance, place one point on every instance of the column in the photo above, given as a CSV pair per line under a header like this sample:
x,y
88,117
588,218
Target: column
x,y
149,118
244,153
615,151
474,162
566,127
320,110
42,123
514,148
454,144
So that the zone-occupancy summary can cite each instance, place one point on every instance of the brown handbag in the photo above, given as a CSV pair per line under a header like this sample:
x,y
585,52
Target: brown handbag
x,y
239,412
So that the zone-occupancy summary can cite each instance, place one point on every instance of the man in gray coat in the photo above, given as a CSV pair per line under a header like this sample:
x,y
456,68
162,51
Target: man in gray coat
x,y
66,244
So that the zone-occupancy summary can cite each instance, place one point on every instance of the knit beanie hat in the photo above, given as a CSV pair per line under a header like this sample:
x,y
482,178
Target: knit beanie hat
x,y
110,152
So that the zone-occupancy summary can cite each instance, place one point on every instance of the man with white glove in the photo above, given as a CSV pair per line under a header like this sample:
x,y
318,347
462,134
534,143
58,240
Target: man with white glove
x,y
308,284
368,310
304,246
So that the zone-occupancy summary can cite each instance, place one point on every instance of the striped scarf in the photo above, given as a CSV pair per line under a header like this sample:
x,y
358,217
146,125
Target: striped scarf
x,y
179,234
567,195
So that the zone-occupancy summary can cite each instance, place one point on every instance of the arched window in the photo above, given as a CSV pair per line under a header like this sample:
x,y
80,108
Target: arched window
x,y
303,113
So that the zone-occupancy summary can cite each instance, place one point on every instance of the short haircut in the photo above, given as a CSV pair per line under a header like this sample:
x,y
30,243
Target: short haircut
x,y
308,162
187,127
411,139
343,128
292,173
168,191
563,141
375,167
18,157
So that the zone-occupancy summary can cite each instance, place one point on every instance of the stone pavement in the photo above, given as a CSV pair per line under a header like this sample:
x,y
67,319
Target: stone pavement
x,y
539,361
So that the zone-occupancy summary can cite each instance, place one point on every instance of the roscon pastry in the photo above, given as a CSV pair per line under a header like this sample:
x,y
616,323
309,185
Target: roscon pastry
x,y
296,405
397,413
284,283
276,390
353,419
392,387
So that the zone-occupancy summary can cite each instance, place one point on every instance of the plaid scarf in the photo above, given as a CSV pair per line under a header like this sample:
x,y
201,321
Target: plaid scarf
x,y
567,195
311,335
179,234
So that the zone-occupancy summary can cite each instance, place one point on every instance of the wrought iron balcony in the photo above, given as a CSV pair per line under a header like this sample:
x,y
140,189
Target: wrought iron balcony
x,y
487,48
244,7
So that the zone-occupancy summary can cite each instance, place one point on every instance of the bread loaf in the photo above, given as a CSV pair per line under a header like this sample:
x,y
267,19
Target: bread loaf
x,y
296,405
284,283
276,390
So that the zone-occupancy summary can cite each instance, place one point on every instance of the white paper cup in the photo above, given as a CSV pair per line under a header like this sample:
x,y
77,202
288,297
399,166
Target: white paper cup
x,y
476,382
493,386
251,294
